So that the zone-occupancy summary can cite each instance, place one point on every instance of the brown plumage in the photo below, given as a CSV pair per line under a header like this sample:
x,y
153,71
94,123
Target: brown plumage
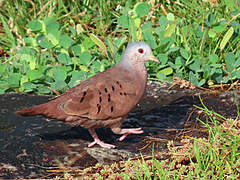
x,y
104,100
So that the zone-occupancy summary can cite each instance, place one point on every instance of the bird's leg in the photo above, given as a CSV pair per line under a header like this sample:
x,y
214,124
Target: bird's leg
x,y
125,132
98,141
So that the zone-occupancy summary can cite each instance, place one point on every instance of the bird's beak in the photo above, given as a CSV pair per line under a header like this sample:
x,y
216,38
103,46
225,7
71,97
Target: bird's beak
x,y
153,58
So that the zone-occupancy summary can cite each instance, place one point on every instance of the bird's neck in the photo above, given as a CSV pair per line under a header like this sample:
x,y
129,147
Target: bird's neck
x,y
139,73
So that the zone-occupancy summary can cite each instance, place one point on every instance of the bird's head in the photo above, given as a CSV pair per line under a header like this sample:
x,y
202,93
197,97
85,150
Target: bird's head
x,y
138,52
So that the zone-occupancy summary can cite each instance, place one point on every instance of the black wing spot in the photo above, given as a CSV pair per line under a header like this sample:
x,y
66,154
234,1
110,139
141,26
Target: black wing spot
x,y
99,108
82,98
100,99
113,88
119,84
84,93
106,90
111,108
121,93
125,94
99,92
109,97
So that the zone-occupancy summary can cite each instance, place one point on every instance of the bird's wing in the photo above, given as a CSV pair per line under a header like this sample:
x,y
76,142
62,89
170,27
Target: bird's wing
x,y
110,94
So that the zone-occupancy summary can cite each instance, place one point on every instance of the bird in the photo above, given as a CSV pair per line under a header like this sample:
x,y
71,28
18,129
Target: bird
x,y
105,99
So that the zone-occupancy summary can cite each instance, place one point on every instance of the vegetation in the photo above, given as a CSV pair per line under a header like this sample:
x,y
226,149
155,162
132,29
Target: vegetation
x,y
49,46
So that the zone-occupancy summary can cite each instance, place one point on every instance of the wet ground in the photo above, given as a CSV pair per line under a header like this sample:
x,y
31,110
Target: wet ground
x,y
29,146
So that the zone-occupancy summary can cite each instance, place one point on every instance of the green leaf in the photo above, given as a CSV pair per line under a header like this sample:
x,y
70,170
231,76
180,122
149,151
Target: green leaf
x,y
59,85
226,38
141,9
193,78
34,75
150,39
35,25
184,53
52,26
65,41
28,87
77,77
14,80
85,58
44,42
123,21
77,50
237,63
196,66
163,22
43,90
219,29
166,71
213,58
59,74
163,58
179,62
64,58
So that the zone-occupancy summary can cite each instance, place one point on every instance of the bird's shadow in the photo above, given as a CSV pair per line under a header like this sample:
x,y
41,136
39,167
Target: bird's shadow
x,y
78,132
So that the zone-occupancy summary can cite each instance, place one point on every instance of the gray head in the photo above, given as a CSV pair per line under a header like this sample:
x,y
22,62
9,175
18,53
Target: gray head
x,y
137,53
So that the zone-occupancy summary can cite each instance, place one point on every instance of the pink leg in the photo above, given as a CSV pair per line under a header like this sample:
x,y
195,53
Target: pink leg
x,y
98,141
125,132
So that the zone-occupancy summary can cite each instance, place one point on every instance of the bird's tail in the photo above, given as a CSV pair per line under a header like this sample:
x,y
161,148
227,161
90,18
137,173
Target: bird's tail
x,y
35,110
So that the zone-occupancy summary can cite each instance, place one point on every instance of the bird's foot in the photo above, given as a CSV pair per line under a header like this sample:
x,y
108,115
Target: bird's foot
x,y
101,143
125,132
98,141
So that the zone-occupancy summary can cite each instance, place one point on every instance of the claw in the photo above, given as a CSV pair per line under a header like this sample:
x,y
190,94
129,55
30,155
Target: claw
x,y
125,132
98,141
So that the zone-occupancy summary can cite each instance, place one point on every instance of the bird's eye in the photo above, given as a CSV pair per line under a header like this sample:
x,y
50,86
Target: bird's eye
x,y
140,50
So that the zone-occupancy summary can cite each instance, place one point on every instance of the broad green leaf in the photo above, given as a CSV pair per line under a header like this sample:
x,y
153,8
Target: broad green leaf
x,y
44,42
65,41
85,58
163,22
141,9
59,85
43,90
193,78
35,25
34,75
77,50
63,58
219,29
184,53
14,80
166,71
163,58
196,65
123,21
226,38
59,74
77,77
213,58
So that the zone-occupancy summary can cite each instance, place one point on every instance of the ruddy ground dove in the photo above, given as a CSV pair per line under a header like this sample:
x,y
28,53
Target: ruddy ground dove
x,y
105,99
